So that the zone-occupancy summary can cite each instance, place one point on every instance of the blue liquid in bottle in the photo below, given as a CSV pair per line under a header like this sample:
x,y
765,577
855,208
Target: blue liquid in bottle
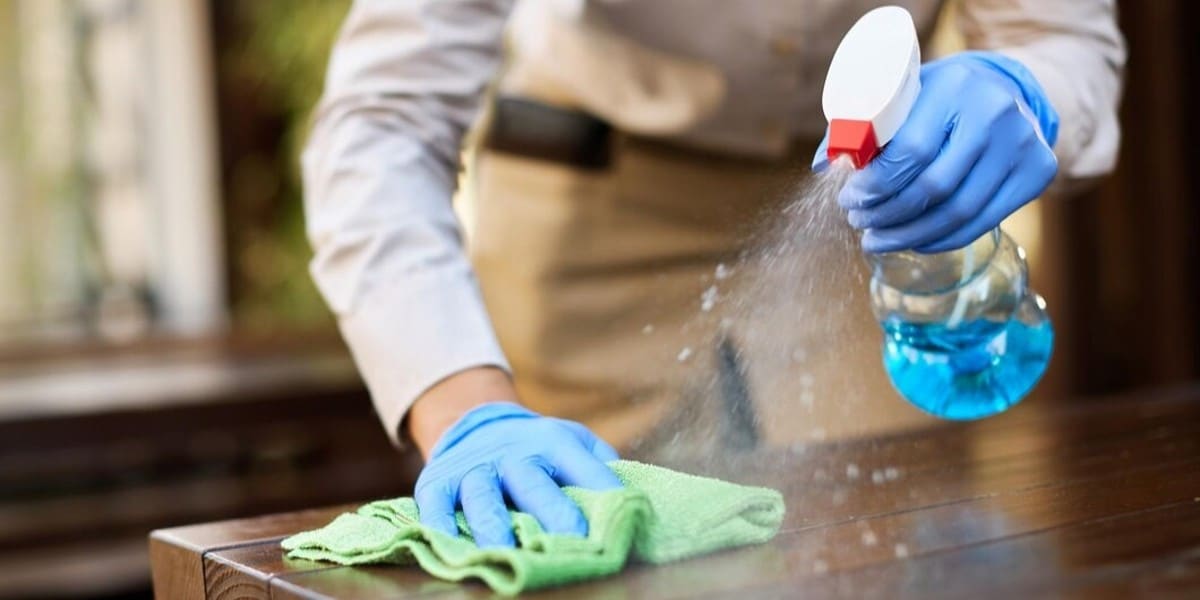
x,y
977,370
964,338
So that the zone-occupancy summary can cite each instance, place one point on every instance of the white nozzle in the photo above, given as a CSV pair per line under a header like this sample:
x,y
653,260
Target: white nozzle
x,y
872,83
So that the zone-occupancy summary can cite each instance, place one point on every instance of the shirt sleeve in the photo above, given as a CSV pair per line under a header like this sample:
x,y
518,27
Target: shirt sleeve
x,y
404,83
1077,54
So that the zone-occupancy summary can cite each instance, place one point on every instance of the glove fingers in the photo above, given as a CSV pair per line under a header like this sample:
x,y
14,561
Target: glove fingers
x,y
483,505
944,219
932,187
580,468
604,452
533,491
435,507
598,447
917,143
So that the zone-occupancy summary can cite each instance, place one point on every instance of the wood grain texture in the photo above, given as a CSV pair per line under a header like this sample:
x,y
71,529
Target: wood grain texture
x,y
183,563
227,580
176,568
1060,500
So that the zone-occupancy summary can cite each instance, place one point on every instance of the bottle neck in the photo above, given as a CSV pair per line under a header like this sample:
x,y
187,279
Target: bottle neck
x,y
984,281
916,273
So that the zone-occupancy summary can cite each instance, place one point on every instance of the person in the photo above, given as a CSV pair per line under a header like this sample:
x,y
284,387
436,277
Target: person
x,y
632,142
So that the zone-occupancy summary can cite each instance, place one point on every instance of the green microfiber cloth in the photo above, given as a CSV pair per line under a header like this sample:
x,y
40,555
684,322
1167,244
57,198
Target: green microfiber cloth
x,y
661,515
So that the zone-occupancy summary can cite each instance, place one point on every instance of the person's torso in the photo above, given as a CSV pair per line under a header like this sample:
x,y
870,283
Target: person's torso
x,y
770,54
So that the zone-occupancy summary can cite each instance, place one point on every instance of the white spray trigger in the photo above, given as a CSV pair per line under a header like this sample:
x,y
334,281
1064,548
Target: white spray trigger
x,y
873,81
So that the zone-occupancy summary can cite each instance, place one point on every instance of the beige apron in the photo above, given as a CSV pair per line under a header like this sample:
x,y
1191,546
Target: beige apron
x,y
598,284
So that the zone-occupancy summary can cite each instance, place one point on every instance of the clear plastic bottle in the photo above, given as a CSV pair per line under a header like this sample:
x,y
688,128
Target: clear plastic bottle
x,y
964,336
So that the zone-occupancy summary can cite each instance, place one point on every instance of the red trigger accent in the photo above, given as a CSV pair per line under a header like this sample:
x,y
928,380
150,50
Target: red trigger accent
x,y
853,138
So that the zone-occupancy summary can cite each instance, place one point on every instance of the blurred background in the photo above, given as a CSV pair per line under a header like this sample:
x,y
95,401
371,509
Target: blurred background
x,y
164,355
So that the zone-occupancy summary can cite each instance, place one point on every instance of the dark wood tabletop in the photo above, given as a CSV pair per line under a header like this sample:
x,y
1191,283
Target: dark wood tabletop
x,y
1083,499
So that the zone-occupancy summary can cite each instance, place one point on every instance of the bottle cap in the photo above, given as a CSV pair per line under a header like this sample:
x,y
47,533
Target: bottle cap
x,y
872,83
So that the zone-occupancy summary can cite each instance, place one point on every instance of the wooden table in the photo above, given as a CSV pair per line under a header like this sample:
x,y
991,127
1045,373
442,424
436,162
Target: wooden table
x,y
1076,500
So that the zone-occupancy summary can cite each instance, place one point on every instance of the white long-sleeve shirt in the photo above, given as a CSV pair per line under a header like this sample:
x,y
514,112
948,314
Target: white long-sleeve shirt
x,y
406,79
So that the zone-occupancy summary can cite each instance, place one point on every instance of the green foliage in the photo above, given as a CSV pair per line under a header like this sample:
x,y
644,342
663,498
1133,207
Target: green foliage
x,y
280,55
291,40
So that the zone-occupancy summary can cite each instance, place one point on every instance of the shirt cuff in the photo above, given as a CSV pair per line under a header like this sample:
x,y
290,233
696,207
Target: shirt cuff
x,y
408,336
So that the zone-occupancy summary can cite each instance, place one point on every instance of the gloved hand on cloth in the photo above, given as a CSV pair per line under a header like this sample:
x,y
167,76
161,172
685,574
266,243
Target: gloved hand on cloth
x,y
502,449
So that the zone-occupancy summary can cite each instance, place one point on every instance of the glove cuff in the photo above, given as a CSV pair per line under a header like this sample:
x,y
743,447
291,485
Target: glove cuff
x,y
477,417
1031,90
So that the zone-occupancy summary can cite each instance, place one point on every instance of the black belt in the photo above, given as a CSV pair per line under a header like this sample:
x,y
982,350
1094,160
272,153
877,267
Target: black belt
x,y
535,130
530,129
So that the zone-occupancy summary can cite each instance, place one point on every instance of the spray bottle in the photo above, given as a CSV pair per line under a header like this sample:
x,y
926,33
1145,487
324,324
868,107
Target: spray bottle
x,y
964,337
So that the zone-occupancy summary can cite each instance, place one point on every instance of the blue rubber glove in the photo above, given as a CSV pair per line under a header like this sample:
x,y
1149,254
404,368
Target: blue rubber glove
x,y
975,148
503,450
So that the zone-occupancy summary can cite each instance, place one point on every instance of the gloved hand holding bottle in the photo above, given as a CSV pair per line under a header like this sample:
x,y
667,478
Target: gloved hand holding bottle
x,y
975,148
946,151
499,450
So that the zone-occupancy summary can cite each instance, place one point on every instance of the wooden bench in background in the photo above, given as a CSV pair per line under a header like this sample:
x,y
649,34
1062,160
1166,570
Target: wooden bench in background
x,y
100,446
1079,500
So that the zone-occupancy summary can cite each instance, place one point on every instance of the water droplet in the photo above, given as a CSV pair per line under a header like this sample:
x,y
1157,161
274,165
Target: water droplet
x,y
901,551
877,477
684,354
891,473
869,538
708,299
851,471
722,272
